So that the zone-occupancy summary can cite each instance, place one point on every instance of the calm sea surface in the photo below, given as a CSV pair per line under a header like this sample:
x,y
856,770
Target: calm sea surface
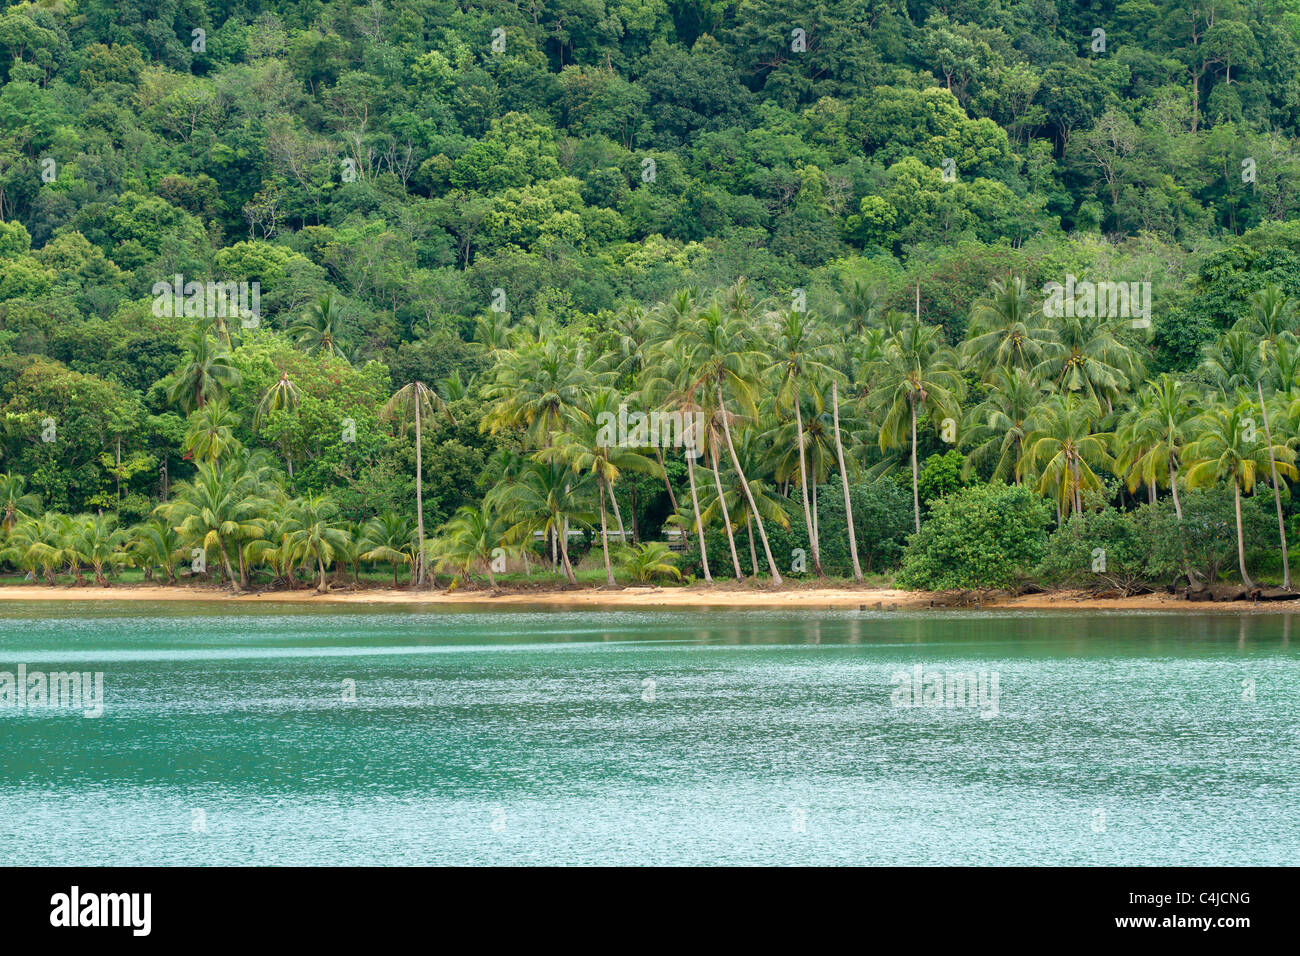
x,y
287,735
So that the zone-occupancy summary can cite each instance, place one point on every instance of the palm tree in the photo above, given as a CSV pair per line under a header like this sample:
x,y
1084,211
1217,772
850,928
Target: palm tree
x,y
156,544
674,387
722,356
1088,355
389,537
416,402
99,542
1006,331
211,434
547,497
844,477
650,560
475,536
315,534
217,510
1151,440
318,329
919,373
282,396
16,502
1228,449
996,428
583,448
798,353
1232,362
1064,450
205,372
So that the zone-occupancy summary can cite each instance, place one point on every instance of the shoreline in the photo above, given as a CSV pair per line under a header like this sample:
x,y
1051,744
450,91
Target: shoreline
x,y
752,598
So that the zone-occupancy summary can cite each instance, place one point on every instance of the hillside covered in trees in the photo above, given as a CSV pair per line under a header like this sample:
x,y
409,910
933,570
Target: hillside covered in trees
x,y
305,291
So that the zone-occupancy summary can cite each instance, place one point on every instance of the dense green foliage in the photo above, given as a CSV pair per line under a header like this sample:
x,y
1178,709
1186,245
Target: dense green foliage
x,y
472,230
982,537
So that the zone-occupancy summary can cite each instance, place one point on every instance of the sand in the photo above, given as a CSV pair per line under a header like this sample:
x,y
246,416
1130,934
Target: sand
x,y
719,595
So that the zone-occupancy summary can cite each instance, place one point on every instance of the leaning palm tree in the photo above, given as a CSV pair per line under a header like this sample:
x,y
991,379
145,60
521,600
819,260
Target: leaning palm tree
x,y
1228,449
585,448
919,373
319,328
799,354
417,403
16,502
205,372
723,360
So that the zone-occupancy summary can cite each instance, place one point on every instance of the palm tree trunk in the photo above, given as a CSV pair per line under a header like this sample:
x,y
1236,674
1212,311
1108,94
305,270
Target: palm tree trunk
x,y
672,498
419,497
916,487
753,555
604,535
699,525
618,516
803,487
1241,545
844,476
726,518
321,587
1277,495
564,558
749,495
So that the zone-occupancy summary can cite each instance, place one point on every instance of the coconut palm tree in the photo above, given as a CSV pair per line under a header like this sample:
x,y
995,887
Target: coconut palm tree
x,y
995,429
319,328
585,448
918,373
723,360
416,402
1064,450
205,372
156,544
389,537
97,541
315,533
1006,330
475,537
547,497
799,355
218,510
16,502
211,432
1227,449
282,396
1089,355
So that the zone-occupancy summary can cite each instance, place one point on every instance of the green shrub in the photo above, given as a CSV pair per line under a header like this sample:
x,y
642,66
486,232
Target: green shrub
x,y
987,536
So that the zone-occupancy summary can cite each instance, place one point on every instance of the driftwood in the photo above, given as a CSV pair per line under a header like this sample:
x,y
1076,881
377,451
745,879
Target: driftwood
x,y
1273,594
1216,592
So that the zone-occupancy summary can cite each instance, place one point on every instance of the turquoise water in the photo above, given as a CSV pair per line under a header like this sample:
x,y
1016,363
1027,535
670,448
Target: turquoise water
x,y
649,737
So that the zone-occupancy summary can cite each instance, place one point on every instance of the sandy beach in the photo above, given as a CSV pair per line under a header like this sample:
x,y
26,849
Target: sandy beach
x,y
728,596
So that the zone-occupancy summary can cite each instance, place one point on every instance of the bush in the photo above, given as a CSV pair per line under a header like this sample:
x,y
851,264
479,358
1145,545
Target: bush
x,y
987,536
1107,548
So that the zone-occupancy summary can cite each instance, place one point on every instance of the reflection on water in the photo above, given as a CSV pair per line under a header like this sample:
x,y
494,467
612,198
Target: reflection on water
x,y
283,734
